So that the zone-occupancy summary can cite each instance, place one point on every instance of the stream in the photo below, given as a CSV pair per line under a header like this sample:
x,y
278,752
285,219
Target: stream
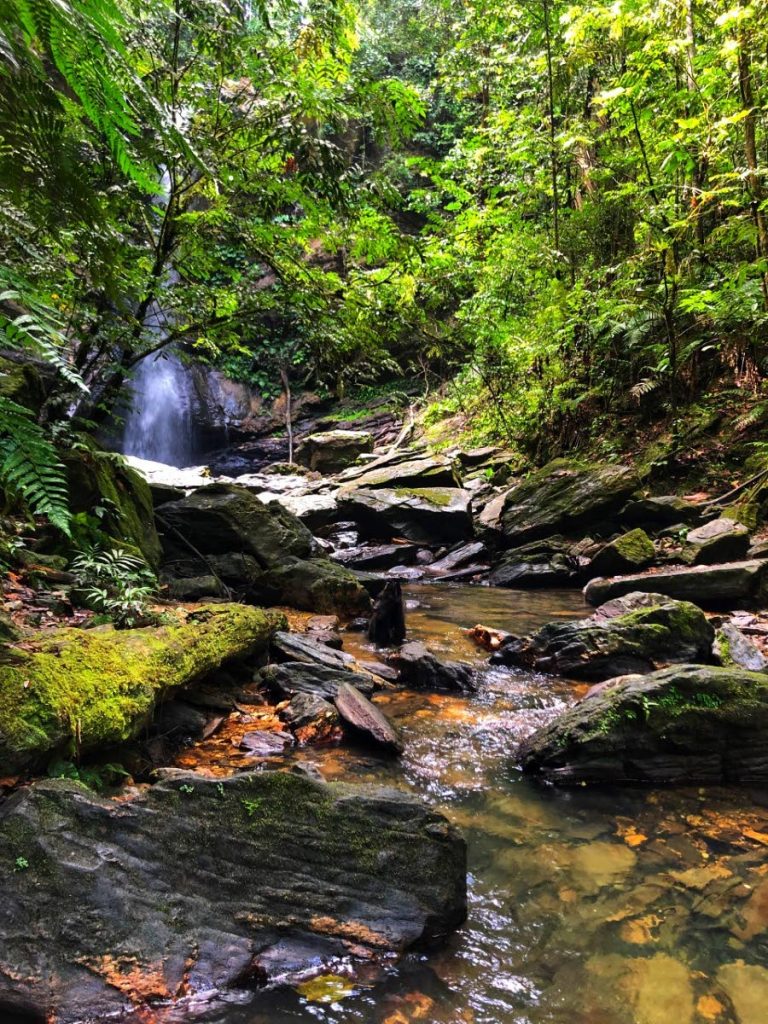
x,y
587,906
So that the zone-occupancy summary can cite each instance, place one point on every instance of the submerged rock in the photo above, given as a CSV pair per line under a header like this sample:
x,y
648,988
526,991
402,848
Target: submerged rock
x,y
333,450
685,724
433,515
421,670
202,885
711,586
89,689
563,497
650,631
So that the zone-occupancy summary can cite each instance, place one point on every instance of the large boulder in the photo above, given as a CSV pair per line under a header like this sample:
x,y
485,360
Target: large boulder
x,y
333,450
84,689
686,724
204,886
417,667
261,551
732,585
720,540
628,553
420,471
434,515
660,511
650,630
564,497
98,479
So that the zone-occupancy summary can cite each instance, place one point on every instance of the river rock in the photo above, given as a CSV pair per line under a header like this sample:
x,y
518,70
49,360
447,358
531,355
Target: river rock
x,y
531,570
721,540
459,558
685,724
89,689
333,450
435,515
421,670
365,721
315,584
319,680
631,552
731,648
265,743
564,497
640,640
712,586
487,519
204,886
660,511
302,647
380,556
425,471
312,719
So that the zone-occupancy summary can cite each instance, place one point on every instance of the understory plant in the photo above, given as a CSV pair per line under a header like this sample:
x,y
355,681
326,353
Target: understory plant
x,y
115,583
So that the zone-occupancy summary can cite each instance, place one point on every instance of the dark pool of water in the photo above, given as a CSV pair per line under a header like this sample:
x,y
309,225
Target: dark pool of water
x,y
587,906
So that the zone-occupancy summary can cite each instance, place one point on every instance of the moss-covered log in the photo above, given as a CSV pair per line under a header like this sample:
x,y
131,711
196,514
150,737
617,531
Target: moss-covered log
x,y
84,689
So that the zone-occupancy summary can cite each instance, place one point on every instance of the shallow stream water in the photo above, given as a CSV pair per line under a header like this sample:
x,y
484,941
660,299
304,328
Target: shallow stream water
x,y
587,906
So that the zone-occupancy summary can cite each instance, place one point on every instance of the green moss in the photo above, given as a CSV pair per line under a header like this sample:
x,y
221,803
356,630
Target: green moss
x,y
635,547
94,688
433,495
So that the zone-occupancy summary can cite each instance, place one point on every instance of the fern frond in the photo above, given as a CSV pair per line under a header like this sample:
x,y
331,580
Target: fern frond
x,y
30,467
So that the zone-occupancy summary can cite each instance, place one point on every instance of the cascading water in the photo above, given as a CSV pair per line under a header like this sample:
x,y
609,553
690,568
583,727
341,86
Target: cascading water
x,y
160,424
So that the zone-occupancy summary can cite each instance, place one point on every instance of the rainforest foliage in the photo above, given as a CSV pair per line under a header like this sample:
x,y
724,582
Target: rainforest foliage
x,y
550,213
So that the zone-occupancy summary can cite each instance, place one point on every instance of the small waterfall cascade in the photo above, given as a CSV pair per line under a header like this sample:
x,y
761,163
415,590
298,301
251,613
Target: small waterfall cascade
x,y
159,426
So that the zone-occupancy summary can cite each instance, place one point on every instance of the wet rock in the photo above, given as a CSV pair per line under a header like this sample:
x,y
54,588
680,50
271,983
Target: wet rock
x,y
564,497
542,568
685,724
93,689
314,585
406,572
179,719
297,647
263,743
318,680
602,647
716,586
365,721
118,906
660,511
721,540
381,671
421,670
459,558
387,625
629,553
435,515
382,556
196,588
746,986
333,450
731,647
312,719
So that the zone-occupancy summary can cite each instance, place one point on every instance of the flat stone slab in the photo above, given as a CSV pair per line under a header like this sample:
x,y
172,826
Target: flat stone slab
x,y
367,721
202,885
711,586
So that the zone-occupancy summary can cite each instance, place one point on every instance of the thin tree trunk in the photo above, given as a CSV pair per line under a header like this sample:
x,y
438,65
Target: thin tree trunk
x,y
288,410
552,133
750,151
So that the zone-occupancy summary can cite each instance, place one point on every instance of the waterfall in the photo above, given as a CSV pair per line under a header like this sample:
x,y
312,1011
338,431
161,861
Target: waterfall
x,y
159,426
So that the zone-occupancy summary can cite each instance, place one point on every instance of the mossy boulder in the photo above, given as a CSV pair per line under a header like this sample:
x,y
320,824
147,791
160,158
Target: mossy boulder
x,y
648,631
425,515
23,381
628,553
732,648
86,689
212,887
685,724
565,497
101,479
720,540
316,585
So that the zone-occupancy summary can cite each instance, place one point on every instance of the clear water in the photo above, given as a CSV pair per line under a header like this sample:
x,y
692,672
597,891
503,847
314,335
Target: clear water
x,y
587,906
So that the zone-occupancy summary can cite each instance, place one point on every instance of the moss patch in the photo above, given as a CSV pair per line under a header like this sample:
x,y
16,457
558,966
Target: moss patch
x,y
93,688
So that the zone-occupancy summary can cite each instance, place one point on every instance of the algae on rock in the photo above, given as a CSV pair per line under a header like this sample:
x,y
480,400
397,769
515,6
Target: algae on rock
x,y
84,689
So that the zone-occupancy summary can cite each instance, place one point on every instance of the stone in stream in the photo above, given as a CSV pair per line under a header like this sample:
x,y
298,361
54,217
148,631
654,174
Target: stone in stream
x,y
535,566
421,670
97,688
292,677
721,540
382,556
563,497
205,886
459,558
387,625
649,631
712,586
365,721
263,743
302,647
731,647
428,515
685,724
333,450
312,719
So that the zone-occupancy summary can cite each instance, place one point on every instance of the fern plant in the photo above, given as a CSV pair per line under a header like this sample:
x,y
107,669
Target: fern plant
x,y
115,583
30,467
